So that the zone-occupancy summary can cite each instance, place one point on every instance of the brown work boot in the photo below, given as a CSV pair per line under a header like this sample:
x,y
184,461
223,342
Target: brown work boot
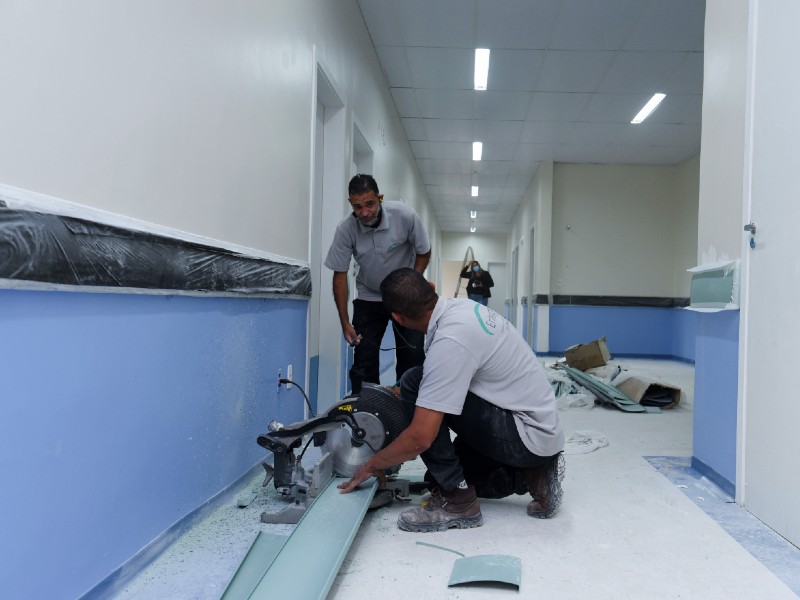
x,y
544,485
444,510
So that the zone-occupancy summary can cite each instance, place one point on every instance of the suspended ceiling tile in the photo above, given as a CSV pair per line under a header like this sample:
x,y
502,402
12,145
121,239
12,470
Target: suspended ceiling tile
x,y
492,167
511,106
688,77
557,107
395,66
446,104
380,18
495,151
661,134
442,68
449,130
453,166
450,150
595,25
613,108
520,168
573,71
542,132
595,133
415,130
679,108
420,149
514,70
442,24
405,99
489,180
534,152
670,25
516,23
506,132
640,72
460,180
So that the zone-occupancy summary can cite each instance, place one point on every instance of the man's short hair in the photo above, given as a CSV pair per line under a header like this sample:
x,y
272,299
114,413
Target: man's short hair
x,y
407,292
361,184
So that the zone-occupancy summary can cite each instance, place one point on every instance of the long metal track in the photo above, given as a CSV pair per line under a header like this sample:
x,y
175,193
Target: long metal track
x,y
307,563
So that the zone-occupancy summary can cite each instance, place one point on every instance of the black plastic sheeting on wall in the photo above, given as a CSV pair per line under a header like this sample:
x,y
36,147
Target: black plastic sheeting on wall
x,y
53,249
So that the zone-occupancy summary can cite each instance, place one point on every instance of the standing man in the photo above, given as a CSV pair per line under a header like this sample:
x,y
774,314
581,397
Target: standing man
x,y
381,237
482,381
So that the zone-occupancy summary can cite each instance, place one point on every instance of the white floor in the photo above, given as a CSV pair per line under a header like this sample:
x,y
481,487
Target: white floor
x,y
625,530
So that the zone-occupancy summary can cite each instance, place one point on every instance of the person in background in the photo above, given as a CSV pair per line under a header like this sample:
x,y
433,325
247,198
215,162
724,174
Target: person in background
x,y
481,381
479,282
381,236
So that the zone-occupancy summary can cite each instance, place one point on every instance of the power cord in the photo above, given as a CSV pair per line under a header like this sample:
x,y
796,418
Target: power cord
x,y
397,332
302,391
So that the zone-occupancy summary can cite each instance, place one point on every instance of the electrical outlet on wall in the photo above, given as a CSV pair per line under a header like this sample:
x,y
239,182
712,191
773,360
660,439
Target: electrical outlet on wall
x,y
289,377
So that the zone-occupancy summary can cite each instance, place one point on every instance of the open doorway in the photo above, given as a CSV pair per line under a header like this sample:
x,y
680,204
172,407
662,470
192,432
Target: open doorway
x,y
327,206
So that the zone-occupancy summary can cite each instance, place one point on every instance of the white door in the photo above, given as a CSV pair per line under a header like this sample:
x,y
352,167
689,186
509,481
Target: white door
x,y
770,327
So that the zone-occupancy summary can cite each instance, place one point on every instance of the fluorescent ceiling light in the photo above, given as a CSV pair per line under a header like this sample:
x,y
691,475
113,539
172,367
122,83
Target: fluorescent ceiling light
x,y
474,191
477,150
481,68
472,229
473,214
651,105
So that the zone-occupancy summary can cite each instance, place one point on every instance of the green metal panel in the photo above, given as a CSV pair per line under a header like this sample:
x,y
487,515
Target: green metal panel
x,y
256,562
500,568
308,563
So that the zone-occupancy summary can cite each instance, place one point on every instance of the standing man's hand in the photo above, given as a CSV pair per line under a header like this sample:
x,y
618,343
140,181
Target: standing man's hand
x,y
350,335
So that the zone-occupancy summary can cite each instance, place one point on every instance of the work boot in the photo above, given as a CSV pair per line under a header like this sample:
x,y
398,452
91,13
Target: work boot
x,y
544,485
444,510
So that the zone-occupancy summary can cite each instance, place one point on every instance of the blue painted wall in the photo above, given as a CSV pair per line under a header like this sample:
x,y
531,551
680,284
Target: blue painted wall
x,y
685,332
631,331
715,396
122,414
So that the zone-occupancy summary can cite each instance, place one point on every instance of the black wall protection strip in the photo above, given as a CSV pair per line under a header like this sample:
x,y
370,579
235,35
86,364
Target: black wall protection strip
x,y
52,249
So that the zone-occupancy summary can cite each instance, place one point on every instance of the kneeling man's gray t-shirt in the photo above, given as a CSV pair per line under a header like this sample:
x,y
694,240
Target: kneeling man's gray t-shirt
x,y
470,347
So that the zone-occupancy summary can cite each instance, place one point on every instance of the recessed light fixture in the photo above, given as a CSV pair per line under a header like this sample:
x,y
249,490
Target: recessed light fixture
x,y
474,191
473,214
477,150
472,229
648,108
481,68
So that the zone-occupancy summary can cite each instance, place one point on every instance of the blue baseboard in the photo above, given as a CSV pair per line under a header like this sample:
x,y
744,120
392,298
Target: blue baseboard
x,y
710,474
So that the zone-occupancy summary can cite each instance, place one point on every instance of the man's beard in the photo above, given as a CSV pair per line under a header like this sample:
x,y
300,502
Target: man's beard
x,y
376,220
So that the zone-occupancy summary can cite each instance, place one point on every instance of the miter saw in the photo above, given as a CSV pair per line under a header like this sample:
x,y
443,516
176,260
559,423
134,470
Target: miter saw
x,y
347,435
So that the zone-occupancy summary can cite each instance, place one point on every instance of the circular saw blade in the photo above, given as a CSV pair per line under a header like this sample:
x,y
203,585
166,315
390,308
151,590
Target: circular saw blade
x,y
379,413
348,455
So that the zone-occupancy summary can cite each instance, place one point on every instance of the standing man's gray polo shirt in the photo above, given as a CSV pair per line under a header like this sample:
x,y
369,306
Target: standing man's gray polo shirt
x,y
378,251
469,347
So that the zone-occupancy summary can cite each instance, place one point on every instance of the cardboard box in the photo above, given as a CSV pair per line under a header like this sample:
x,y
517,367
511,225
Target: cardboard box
x,y
587,356
649,393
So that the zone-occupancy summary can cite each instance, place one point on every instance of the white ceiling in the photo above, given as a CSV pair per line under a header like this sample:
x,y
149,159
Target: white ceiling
x,y
566,78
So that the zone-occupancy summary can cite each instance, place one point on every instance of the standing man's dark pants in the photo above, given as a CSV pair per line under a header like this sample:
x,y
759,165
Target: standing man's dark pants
x,y
370,320
487,452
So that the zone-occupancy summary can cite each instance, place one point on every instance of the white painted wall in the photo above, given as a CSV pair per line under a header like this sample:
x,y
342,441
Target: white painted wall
x,y
722,157
535,211
684,247
614,229
195,116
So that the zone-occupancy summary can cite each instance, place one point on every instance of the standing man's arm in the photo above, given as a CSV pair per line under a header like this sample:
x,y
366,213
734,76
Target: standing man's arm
x,y
421,262
340,297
